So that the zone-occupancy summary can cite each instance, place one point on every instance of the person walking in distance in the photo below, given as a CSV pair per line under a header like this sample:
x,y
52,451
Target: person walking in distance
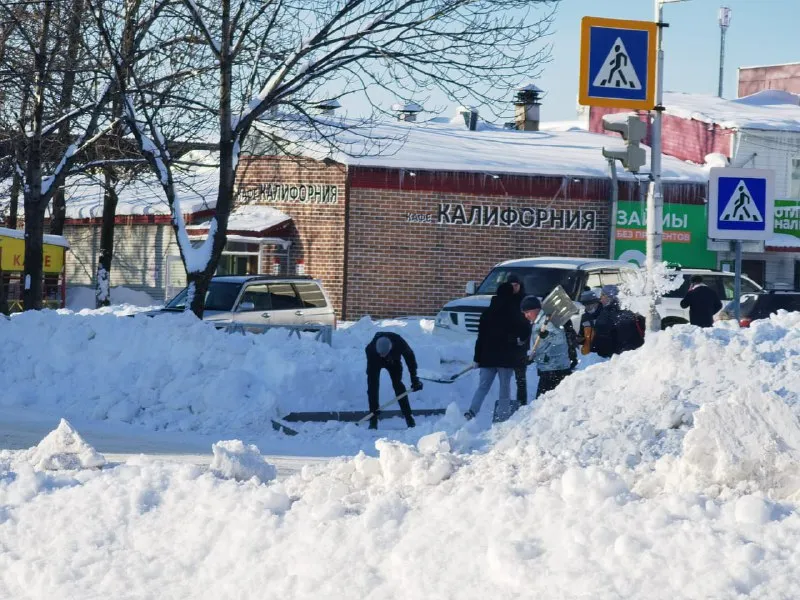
x,y
521,368
385,351
500,332
702,302
553,354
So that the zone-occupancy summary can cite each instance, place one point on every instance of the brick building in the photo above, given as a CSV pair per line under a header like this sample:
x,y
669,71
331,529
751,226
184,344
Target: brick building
x,y
394,219
758,131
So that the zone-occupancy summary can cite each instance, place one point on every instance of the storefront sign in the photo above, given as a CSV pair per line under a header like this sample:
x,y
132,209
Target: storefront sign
x,y
787,217
528,217
685,234
13,256
288,193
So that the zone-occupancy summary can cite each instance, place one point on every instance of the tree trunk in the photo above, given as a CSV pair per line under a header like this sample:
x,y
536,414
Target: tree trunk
x,y
227,173
110,198
65,103
11,223
34,249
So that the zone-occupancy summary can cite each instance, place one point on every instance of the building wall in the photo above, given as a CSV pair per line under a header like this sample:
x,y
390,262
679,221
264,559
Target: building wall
x,y
318,228
140,256
772,77
405,258
763,149
685,139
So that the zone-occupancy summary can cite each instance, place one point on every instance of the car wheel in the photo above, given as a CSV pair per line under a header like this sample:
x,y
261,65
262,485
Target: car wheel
x,y
672,321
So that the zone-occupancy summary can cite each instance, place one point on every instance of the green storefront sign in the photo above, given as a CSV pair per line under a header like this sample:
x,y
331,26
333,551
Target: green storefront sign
x,y
787,217
685,235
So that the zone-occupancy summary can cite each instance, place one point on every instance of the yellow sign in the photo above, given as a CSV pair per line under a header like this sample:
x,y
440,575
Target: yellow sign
x,y
618,63
12,256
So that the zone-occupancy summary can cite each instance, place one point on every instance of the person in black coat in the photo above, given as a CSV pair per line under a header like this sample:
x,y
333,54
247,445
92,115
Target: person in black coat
x,y
501,331
702,302
616,330
521,368
385,352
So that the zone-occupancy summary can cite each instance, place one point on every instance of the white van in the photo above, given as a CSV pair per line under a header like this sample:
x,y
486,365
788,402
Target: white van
x,y
538,276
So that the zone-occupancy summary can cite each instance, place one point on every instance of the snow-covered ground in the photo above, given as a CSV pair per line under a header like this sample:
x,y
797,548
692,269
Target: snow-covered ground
x,y
669,472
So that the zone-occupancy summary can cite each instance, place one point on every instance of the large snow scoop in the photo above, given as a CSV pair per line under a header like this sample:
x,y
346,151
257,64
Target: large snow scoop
x,y
449,378
278,426
384,405
558,308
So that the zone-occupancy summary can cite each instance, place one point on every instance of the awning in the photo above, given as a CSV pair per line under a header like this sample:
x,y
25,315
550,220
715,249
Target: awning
x,y
248,221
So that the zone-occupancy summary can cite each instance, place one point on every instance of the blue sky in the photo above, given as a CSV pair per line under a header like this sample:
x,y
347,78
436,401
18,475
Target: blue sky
x,y
761,32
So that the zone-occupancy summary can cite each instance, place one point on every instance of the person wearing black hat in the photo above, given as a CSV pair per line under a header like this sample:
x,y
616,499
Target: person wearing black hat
x,y
384,352
500,330
521,368
552,355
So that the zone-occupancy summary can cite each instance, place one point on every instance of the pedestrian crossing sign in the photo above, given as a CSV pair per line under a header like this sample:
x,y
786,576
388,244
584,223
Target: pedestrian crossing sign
x,y
740,204
618,63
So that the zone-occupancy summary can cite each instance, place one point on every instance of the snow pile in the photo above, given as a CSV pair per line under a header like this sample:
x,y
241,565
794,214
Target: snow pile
x,y
719,405
234,460
64,449
176,373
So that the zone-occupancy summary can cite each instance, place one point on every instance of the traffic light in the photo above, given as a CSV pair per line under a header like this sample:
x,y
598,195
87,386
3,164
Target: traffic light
x,y
633,157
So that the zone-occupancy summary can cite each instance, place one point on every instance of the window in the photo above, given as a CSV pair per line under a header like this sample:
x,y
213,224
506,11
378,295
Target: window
x,y
593,280
536,281
220,296
258,295
311,295
794,176
610,278
283,296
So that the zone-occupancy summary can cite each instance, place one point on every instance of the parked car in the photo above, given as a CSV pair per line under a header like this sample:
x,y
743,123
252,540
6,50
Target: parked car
x,y
761,306
721,282
262,300
539,276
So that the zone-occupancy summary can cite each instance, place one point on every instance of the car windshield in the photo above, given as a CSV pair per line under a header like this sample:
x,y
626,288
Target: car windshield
x,y
220,296
536,281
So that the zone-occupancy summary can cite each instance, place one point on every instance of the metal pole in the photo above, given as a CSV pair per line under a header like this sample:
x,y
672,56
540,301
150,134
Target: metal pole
x,y
655,199
612,221
737,282
724,22
721,59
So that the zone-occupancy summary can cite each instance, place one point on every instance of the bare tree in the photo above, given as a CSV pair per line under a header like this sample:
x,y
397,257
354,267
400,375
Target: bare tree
x,y
281,55
34,111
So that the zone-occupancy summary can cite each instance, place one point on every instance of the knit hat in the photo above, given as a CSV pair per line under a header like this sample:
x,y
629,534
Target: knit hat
x,y
611,291
530,303
589,296
383,345
513,279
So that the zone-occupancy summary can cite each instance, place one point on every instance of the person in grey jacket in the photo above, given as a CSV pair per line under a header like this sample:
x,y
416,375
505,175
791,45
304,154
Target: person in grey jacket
x,y
554,356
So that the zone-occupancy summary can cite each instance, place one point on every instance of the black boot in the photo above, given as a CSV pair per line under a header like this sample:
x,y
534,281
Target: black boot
x,y
405,408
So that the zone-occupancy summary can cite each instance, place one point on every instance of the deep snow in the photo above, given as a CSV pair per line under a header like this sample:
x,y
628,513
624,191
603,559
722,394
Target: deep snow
x,y
669,472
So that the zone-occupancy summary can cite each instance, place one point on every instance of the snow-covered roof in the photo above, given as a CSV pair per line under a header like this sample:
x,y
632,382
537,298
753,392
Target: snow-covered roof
x,y
767,110
196,188
783,240
19,234
250,218
443,145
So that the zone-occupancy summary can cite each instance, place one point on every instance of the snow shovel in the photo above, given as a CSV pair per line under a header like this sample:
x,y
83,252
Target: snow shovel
x,y
449,379
384,405
558,308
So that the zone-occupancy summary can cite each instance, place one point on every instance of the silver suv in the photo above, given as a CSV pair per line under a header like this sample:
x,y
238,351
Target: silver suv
x,y
539,276
262,300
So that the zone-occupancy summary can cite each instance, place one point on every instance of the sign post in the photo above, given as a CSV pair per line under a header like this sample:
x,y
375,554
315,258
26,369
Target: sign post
x,y
620,69
741,205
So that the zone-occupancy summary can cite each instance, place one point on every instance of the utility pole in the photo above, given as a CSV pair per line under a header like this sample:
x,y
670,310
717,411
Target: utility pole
x,y
655,197
724,22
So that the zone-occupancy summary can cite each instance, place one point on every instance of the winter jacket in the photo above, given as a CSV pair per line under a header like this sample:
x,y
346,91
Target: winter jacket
x,y
703,303
400,349
587,330
616,331
553,351
501,331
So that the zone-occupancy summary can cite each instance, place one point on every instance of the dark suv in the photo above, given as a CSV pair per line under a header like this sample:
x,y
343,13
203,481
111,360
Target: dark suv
x,y
761,306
